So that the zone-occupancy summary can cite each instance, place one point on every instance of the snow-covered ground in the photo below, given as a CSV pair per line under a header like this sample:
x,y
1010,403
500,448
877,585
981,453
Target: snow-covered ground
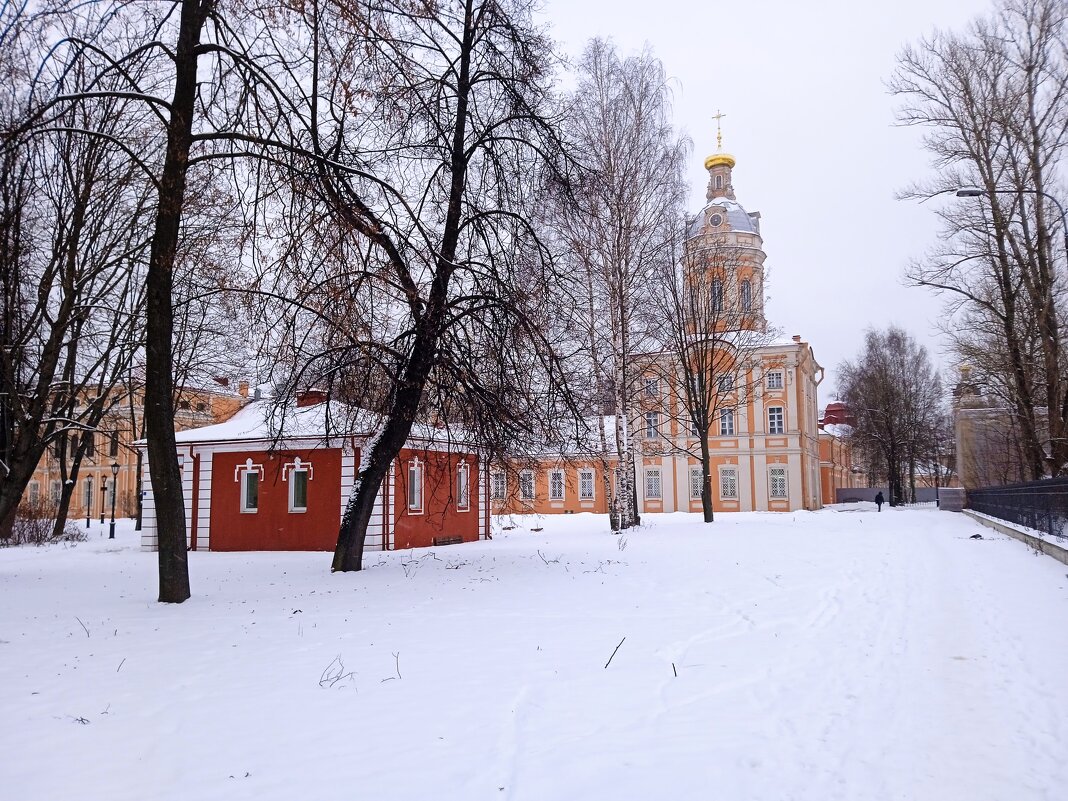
x,y
841,654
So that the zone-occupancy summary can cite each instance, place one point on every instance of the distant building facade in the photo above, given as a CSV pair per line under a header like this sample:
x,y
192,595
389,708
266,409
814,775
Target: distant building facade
x,y
768,450
112,443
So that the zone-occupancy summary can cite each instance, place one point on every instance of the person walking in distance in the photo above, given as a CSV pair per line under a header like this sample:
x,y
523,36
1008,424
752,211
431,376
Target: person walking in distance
x,y
879,500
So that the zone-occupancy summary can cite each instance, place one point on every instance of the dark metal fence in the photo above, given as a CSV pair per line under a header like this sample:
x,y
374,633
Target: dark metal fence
x,y
1041,505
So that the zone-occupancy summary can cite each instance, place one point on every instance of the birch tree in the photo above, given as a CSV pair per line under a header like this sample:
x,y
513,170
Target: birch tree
x,y
618,227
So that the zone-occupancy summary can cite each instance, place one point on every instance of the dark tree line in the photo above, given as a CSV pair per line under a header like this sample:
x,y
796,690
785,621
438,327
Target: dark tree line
x,y
897,401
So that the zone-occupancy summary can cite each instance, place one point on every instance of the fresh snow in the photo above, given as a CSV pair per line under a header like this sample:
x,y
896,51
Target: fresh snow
x,y
843,654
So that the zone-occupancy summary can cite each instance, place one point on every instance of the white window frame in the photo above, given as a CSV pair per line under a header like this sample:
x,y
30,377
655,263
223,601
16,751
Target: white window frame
x,y
652,387
524,477
293,508
746,293
697,482
726,422
87,492
587,478
727,477
415,487
777,426
725,383
55,491
653,474
556,476
775,379
781,471
35,492
463,487
498,485
244,473
652,425
717,295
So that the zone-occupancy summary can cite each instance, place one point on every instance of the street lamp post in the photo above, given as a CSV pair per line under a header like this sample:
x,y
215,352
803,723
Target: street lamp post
x,y
88,499
114,487
103,497
976,192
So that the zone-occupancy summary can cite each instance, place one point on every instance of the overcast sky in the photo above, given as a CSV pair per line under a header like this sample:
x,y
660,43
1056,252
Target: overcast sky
x,y
809,120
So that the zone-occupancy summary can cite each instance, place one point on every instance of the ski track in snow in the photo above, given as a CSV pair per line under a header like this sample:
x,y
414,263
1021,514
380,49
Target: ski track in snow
x,y
819,657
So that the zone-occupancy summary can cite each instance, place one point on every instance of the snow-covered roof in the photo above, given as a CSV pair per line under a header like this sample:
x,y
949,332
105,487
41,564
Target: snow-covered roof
x,y
737,217
839,430
262,421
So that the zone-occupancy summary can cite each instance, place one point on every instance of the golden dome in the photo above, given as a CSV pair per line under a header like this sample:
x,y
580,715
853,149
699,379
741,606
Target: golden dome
x,y
719,158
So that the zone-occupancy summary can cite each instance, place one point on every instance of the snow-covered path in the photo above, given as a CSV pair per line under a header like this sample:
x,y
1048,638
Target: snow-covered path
x,y
830,655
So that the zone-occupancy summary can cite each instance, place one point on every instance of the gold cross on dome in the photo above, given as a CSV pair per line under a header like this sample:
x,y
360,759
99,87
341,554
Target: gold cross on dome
x,y
719,115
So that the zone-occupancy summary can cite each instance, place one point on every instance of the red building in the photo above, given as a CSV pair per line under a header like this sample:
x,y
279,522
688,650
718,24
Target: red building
x,y
266,481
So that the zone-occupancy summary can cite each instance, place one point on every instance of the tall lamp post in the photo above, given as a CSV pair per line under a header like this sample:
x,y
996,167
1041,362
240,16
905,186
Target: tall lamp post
x,y
975,192
88,499
103,497
114,487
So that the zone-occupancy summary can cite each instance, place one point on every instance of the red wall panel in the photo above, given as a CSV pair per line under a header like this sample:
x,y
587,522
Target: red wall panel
x,y
440,517
273,527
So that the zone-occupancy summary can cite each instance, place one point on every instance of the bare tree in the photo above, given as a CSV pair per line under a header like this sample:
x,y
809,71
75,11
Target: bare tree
x,y
709,320
995,101
895,396
73,308
617,227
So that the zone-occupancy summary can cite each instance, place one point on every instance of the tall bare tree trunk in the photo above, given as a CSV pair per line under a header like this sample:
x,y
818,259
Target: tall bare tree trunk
x,y
164,472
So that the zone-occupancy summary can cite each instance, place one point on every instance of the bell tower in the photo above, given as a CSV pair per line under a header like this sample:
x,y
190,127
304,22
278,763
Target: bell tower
x,y
719,166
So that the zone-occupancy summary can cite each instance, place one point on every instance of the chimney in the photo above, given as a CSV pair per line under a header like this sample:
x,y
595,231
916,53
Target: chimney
x,y
242,388
311,397
796,338
222,381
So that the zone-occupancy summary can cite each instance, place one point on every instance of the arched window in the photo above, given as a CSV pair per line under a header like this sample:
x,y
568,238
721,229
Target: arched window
x,y
747,296
719,182
717,295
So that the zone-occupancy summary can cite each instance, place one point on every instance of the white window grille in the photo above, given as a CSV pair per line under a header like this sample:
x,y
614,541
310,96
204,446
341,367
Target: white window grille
x,y
728,483
499,485
717,295
652,387
697,482
55,491
556,485
747,296
652,425
726,422
725,383
775,379
653,488
777,484
775,420
526,485
586,485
